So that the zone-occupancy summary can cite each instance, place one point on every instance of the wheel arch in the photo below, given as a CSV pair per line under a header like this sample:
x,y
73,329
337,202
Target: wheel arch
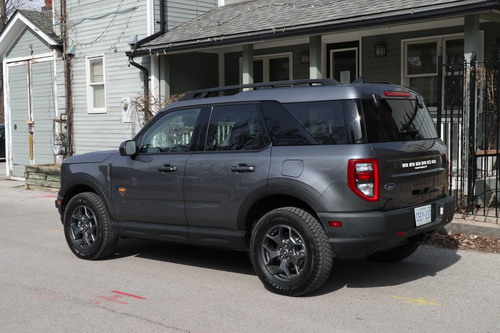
x,y
258,208
80,185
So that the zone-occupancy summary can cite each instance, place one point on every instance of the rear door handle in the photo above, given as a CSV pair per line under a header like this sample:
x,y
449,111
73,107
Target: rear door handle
x,y
167,168
243,168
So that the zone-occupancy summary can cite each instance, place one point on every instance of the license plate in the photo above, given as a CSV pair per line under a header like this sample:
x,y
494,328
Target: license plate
x,y
423,215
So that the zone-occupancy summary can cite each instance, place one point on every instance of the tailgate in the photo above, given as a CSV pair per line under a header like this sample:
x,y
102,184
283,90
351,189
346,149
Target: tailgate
x,y
412,173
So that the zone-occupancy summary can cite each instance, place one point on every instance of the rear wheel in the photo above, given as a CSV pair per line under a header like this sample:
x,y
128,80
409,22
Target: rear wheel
x,y
290,252
395,254
87,227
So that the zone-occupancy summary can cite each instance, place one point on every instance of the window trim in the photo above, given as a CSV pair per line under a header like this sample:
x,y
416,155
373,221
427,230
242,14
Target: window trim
x,y
265,64
90,85
332,51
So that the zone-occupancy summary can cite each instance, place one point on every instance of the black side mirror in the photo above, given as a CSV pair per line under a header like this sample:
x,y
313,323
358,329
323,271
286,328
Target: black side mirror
x,y
128,148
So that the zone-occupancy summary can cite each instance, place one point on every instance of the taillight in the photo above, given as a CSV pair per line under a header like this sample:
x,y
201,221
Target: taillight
x,y
363,178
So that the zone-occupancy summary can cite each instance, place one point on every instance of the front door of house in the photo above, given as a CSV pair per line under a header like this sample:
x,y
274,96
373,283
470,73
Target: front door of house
x,y
343,61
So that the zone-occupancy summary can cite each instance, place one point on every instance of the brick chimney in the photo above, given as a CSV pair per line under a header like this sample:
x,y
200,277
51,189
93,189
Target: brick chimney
x,y
48,5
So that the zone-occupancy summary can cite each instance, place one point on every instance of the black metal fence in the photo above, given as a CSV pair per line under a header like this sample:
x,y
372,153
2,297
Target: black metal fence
x,y
468,121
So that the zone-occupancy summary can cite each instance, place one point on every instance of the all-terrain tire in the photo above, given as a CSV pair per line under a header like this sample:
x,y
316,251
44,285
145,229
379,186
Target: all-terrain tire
x,y
87,227
290,252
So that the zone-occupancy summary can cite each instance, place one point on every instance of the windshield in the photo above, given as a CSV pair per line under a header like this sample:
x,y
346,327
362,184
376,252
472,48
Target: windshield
x,y
397,120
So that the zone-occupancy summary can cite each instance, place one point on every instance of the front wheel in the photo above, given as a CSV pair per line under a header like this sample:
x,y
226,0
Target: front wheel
x,y
290,252
87,227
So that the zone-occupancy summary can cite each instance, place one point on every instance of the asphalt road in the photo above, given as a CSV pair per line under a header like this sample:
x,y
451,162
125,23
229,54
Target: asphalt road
x,y
157,287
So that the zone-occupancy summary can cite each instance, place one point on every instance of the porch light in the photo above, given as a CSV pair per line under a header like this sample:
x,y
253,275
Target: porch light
x,y
380,50
304,57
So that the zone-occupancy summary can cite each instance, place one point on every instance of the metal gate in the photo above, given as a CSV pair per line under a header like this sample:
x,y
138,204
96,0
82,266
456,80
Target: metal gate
x,y
468,121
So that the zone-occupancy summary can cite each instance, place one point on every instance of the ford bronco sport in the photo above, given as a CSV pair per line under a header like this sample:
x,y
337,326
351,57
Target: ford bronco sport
x,y
296,172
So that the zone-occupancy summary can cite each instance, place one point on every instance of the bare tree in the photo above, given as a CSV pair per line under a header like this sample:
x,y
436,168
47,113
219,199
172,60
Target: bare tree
x,y
8,7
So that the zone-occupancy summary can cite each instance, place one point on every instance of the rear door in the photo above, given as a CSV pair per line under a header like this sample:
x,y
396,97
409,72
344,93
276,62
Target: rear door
x,y
232,168
412,160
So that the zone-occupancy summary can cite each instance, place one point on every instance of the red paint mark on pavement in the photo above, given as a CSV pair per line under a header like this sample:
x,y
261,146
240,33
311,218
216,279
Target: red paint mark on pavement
x,y
129,295
113,298
43,197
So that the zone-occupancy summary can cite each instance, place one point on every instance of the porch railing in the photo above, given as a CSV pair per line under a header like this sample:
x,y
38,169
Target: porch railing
x,y
468,121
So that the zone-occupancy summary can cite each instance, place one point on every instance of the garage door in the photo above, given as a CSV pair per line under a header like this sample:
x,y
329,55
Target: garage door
x,y
32,110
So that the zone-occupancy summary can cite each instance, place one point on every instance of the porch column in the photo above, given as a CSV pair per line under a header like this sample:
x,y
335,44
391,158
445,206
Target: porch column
x,y
471,37
222,69
315,57
165,76
247,64
155,77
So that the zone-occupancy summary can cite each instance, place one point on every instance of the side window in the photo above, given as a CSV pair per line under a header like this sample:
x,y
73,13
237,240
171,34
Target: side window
x,y
323,120
284,129
171,133
235,127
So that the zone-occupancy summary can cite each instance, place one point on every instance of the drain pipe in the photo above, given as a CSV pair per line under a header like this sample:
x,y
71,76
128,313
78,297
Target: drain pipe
x,y
145,73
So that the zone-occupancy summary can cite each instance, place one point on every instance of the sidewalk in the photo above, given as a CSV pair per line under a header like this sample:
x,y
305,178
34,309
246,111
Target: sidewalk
x,y
478,225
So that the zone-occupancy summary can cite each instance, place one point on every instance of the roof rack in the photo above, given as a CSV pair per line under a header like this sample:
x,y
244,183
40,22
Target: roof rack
x,y
205,93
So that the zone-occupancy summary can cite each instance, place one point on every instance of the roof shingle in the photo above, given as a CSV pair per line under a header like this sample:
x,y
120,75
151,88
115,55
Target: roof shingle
x,y
251,17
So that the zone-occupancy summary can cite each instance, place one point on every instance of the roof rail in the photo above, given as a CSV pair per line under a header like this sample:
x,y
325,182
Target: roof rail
x,y
205,93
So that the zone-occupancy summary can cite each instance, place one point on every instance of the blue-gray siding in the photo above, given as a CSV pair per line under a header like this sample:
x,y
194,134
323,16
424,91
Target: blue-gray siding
x,y
28,44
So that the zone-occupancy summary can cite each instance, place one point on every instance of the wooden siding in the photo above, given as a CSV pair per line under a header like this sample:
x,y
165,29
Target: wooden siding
x,y
388,68
107,36
21,47
193,71
180,11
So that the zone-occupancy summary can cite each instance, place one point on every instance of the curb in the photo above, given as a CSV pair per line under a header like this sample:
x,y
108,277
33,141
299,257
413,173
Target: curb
x,y
458,226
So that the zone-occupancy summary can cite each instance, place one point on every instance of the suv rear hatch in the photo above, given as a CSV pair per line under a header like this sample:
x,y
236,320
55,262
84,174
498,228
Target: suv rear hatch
x,y
412,159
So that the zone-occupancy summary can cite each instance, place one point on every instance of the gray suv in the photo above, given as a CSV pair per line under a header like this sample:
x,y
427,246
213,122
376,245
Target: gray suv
x,y
295,172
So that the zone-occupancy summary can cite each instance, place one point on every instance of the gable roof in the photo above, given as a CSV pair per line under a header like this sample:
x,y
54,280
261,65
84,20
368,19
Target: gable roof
x,y
267,19
39,22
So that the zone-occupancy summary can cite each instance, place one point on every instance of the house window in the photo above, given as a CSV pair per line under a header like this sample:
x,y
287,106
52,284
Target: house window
x,y
421,68
420,63
96,85
273,67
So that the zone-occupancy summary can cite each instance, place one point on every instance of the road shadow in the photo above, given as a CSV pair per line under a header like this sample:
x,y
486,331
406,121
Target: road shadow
x,y
361,273
190,255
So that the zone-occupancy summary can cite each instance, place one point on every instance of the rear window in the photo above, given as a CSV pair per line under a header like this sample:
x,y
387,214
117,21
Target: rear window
x,y
397,120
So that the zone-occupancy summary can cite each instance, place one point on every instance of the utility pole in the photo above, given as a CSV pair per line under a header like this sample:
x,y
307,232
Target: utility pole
x,y
3,22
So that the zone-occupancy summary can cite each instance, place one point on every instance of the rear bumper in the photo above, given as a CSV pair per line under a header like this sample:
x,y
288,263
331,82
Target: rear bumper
x,y
363,233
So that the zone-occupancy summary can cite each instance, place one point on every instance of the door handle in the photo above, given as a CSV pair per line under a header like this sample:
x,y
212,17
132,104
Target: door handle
x,y
167,168
243,168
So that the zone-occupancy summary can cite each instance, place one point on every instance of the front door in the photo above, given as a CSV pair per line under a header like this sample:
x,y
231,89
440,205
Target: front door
x,y
344,64
148,189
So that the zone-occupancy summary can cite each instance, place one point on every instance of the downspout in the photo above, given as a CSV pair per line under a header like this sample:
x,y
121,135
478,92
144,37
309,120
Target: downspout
x,y
145,73
143,69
